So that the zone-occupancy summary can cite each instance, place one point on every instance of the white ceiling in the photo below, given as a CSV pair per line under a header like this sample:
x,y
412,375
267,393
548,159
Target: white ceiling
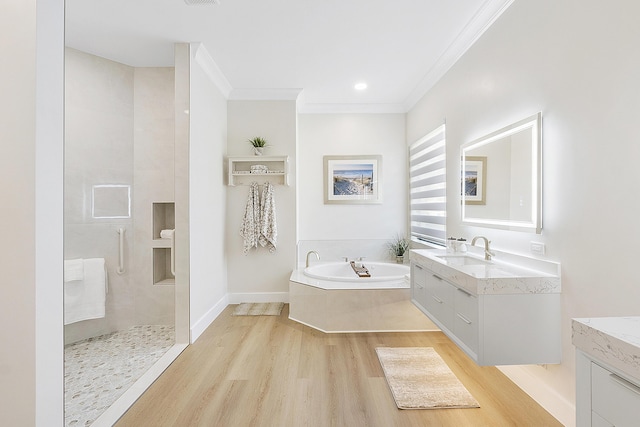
x,y
400,48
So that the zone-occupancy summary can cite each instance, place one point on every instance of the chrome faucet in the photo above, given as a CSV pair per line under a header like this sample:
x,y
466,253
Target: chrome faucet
x,y
487,252
312,252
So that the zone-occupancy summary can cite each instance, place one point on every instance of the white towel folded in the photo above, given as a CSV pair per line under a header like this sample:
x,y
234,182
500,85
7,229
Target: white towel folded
x,y
166,234
73,270
85,299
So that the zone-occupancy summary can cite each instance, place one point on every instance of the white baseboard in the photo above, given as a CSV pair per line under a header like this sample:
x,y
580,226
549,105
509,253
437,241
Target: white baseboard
x,y
554,403
203,323
258,297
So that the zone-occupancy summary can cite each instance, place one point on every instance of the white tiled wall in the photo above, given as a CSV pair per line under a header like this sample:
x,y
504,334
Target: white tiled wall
x,y
118,130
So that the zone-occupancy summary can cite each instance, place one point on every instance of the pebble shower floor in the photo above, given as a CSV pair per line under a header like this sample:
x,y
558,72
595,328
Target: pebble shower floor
x,y
98,370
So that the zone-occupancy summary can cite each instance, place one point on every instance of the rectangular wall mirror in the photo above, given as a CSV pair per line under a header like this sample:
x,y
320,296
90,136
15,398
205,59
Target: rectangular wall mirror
x,y
502,178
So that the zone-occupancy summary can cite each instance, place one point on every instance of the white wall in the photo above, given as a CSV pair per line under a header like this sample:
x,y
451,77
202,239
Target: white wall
x,y
260,275
351,134
207,194
577,62
31,173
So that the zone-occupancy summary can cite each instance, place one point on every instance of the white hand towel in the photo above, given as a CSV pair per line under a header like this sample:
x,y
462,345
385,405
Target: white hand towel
x,y
85,299
73,270
166,234
268,228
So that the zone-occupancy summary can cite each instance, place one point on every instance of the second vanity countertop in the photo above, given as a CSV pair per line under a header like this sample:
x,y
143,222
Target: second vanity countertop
x,y
489,277
613,340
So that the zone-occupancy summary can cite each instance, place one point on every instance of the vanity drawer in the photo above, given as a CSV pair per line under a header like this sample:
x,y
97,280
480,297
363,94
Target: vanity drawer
x,y
418,274
440,289
614,398
466,318
598,421
418,291
439,299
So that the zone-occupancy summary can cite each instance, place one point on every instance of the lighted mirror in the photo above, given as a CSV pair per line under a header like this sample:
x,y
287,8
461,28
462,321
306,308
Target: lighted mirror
x,y
502,178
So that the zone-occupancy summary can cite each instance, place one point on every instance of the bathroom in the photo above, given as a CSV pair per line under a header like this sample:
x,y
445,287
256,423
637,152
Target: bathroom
x,y
589,158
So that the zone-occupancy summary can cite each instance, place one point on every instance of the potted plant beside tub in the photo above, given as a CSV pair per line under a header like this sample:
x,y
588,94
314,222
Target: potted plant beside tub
x,y
258,144
398,247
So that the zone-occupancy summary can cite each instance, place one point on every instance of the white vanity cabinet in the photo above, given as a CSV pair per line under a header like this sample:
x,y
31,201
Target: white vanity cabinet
x,y
512,328
607,371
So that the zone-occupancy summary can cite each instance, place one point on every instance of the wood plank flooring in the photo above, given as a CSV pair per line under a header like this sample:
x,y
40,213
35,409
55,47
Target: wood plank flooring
x,y
270,371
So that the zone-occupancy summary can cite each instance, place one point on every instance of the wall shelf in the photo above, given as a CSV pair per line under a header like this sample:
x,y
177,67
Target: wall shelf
x,y
163,219
239,170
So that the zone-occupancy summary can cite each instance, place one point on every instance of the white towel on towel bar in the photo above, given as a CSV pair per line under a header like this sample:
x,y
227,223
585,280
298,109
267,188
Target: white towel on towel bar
x,y
73,269
85,299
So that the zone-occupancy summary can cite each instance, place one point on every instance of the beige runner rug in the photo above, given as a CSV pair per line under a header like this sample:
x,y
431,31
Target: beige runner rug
x,y
258,309
420,379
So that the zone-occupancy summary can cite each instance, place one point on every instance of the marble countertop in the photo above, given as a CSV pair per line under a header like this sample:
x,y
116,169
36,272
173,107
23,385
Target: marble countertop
x,y
612,340
489,278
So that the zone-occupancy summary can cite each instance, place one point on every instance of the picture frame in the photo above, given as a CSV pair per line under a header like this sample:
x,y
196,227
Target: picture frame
x,y
474,182
353,179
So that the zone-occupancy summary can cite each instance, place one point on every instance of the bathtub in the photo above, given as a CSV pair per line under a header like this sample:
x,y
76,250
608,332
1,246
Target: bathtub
x,y
342,272
331,298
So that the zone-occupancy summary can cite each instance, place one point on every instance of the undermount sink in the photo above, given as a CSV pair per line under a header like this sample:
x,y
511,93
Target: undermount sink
x,y
462,260
480,268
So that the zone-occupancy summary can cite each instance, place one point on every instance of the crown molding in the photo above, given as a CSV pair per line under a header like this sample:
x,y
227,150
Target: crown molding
x,y
351,108
211,69
265,94
480,22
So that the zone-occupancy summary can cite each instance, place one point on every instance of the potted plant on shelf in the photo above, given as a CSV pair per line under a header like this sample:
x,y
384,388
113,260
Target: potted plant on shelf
x,y
398,247
258,144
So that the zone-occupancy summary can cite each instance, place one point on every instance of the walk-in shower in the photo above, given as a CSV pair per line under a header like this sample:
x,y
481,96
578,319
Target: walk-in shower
x,y
119,217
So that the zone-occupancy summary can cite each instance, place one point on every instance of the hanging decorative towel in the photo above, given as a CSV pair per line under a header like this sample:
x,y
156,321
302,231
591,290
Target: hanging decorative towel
x,y
268,228
250,230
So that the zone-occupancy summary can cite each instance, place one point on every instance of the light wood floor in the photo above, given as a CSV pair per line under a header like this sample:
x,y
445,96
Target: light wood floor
x,y
273,372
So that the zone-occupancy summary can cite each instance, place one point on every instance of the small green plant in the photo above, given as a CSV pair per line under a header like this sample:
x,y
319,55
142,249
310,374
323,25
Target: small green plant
x,y
399,246
258,142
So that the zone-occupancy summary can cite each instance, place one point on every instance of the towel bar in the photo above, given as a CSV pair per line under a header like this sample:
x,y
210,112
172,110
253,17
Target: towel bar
x,y
173,254
120,269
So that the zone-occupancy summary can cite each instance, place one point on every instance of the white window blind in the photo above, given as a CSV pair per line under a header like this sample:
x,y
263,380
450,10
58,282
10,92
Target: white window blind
x,y
428,192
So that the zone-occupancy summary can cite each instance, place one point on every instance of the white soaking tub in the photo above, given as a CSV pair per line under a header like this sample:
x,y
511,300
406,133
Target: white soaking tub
x,y
330,297
380,272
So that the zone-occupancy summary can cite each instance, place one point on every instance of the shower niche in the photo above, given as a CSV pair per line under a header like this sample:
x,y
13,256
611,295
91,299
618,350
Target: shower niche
x,y
163,247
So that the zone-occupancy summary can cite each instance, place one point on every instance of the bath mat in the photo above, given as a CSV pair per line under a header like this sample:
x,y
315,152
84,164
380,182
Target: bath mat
x,y
258,309
420,379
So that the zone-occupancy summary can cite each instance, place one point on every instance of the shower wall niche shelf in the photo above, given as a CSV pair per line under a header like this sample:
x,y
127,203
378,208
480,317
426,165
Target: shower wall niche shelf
x,y
240,173
163,219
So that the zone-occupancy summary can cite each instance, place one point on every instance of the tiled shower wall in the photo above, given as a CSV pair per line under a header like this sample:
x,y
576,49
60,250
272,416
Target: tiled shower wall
x,y
118,130
153,178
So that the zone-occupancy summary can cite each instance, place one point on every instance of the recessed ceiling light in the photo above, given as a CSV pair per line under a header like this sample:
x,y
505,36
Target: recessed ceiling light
x,y
360,86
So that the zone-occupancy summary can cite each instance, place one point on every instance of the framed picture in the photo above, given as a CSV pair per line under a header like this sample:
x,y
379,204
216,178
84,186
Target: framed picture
x,y
474,182
352,179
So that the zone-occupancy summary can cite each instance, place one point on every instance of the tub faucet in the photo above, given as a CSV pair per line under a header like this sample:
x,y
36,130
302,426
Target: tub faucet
x,y
312,252
487,252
